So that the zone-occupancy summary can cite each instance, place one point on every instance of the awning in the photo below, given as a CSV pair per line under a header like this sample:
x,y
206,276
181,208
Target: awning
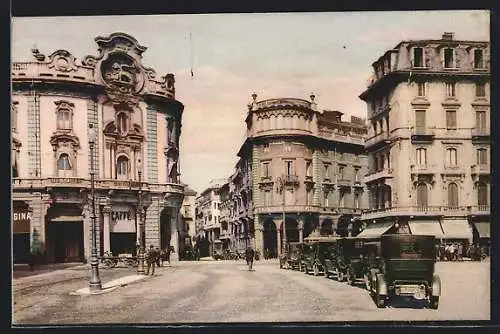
x,y
74,219
457,229
483,228
426,227
375,230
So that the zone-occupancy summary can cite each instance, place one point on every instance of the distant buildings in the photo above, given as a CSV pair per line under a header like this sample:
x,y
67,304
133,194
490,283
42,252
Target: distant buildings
x,y
188,214
296,161
429,138
57,103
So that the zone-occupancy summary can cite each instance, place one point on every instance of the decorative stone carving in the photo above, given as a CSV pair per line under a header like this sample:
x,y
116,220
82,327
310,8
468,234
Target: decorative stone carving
x,y
168,82
63,61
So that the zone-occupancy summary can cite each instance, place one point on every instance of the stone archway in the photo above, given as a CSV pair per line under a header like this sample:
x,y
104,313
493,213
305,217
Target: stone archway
x,y
292,230
310,225
326,228
270,241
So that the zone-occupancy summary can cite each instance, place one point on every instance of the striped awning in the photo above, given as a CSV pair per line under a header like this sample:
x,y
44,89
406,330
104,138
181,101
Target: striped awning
x,y
375,230
457,229
426,227
483,228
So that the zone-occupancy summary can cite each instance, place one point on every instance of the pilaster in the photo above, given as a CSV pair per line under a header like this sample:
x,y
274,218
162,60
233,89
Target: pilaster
x,y
106,212
152,224
317,177
152,150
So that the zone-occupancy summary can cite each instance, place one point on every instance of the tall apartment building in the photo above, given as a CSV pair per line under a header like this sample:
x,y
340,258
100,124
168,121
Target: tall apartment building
x,y
301,163
188,214
60,108
429,138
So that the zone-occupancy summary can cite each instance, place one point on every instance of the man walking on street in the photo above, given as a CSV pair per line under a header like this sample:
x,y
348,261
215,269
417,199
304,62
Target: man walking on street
x,y
151,260
249,256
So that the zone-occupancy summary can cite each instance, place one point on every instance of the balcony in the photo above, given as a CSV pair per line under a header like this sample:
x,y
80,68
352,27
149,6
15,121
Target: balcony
x,y
479,210
383,174
377,140
441,211
344,181
417,170
480,136
422,135
478,170
224,234
266,180
288,208
291,180
32,70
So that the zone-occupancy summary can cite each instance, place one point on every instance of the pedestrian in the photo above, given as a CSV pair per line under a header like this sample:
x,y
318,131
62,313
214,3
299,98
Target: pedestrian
x,y
151,260
249,256
158,257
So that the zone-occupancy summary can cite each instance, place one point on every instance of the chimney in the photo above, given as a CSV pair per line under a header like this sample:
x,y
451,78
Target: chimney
x,y
448,36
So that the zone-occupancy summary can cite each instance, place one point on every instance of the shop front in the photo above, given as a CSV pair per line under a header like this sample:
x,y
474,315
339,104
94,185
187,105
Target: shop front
x,y
123,236
21,224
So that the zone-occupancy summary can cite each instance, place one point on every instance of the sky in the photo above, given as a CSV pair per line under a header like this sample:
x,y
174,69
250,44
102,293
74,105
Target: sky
x,y
234,55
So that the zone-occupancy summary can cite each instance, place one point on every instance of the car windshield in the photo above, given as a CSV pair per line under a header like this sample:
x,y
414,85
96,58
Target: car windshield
x,y
409,248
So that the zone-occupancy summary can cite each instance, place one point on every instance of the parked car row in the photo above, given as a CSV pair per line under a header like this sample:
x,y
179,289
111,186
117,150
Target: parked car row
x,y
388,265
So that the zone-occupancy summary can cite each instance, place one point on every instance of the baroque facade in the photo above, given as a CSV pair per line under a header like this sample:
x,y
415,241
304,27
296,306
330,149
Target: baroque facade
x,y
299,163
429,138
58,105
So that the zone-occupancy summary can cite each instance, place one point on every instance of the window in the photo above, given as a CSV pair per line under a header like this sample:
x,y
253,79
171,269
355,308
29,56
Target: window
x,y
453,195
482,194
341,172
422,200
420,121
480,89
421,156
287,147
341,199
448,58
308,168
327,171
63,162
451,119
478,58
450,89
482,156
418,57
122,167
421,88
64,119
265,147
356,200
265,169
13,115
122,123
309,196
289,167
481,120
451,157
375,164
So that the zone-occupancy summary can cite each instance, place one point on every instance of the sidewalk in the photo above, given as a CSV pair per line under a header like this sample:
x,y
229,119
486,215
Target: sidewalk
x,y
110,286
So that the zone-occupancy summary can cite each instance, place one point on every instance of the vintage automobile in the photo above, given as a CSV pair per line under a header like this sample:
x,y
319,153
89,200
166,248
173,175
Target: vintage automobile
x,y
405,268
291,258
305,255
321,248
349,265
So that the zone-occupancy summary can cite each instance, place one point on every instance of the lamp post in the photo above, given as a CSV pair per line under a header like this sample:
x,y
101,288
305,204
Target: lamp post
x,y
140,257
95,280
281,189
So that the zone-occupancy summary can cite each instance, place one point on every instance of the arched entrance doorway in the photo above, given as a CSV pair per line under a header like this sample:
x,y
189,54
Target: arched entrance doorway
x,y
270,242
292,230
64,233
165,229
326,228
309,225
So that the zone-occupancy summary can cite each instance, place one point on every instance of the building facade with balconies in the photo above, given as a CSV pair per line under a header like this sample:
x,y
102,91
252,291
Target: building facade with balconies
x,y
429,138
57,103
303,164
188,214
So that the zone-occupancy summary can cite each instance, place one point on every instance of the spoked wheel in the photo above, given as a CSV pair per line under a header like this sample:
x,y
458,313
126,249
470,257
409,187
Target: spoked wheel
x,y
349,277
380,300
315,270
366,278
434,302
340,276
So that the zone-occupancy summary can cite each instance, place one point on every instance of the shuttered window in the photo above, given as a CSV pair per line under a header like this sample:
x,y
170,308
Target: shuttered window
x,y
451,119
422,200
482,194
482,157
420,120
451,156
481,120
453,195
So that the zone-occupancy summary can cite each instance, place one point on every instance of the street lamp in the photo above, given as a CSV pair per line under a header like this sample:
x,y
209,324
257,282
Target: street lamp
x,y
95,280
140,257
281,189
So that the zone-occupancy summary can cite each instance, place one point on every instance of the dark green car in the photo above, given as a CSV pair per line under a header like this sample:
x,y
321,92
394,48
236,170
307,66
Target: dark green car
x,y
291,258
321,248
350,262
405,268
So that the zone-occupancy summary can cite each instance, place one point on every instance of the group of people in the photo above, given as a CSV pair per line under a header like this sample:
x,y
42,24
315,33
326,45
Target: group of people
x,y
156,257
453,251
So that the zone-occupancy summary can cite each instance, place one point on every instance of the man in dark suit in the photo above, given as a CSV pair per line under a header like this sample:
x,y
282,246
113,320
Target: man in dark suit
x,y
249,256
151,260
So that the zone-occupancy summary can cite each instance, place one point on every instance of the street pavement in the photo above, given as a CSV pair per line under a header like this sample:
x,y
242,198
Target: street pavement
x,y
225,291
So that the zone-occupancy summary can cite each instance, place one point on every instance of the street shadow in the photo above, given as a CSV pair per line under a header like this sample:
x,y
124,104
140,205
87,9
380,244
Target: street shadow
x,y
403,302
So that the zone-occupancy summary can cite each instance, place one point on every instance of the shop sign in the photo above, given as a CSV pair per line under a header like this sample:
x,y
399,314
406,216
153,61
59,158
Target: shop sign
x,y
122,220
21,221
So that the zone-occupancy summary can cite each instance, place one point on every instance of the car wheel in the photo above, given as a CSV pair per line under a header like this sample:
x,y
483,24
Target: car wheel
x,y
349,277
366,278
315,270
380,300
340,276
434,302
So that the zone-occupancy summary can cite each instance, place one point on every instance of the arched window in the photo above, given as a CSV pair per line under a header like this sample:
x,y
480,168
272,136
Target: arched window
x,y
121,121
453,195
422,200
63,162
122,167
482,194
451,157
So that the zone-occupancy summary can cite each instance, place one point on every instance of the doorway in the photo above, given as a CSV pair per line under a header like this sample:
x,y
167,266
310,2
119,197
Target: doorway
x,y
66,239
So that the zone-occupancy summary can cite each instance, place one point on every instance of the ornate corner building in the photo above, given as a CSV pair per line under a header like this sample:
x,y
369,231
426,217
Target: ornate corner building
x,y
57,104
429,138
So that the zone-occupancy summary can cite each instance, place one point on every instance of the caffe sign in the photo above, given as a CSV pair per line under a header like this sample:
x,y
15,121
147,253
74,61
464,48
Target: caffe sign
x,y
122,220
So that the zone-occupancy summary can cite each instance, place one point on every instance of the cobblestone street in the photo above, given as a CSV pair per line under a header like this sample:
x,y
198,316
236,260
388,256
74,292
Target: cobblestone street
x,y
227,292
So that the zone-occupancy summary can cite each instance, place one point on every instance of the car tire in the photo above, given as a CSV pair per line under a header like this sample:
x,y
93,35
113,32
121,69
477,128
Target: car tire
x,y
340,276
380,301
349,277
434,302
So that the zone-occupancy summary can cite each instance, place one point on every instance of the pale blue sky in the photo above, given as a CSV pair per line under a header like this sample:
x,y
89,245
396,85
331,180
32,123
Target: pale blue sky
x,y
275,55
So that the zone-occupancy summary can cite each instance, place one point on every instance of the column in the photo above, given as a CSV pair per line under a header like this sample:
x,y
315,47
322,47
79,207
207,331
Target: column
x,y
87,234
174,233
41,230
301,234
278,236
259,235
107,219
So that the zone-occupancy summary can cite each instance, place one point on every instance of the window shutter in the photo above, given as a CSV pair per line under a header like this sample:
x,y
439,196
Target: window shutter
x,y
427,57
420,119
412,57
